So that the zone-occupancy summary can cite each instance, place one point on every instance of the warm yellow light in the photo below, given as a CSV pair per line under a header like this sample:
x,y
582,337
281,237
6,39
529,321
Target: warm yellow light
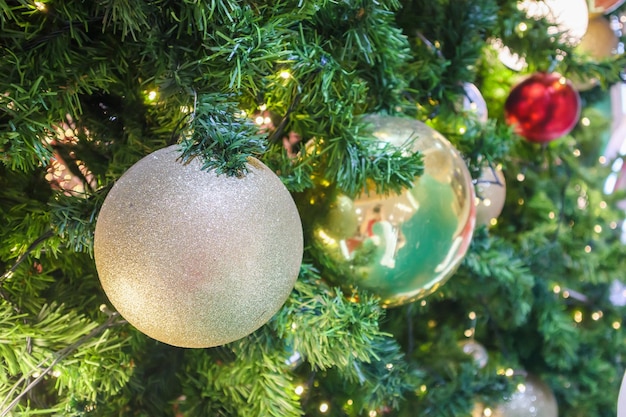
x,y
617,325
324,407
521,177
468,333
472,315
259,120
152,95
603,205
551,215
285,74
299,390
522,27
462,130
587,249
576,153
509,372
602,160
597,228
585,121
578,316
40,6
373,413
556,289
596,315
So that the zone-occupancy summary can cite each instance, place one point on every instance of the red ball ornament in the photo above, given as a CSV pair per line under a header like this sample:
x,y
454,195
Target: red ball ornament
x,y
543,107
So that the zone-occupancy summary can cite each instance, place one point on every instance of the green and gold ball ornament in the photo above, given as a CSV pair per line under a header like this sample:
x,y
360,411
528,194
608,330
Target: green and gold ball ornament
x,y
400,247
195,259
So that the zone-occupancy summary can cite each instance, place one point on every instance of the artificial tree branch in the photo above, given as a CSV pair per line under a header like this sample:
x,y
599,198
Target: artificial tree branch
x,y
60,355
47,235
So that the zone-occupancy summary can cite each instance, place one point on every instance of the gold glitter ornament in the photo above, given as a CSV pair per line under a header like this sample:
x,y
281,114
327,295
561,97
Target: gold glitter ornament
x,y
400,247
194,259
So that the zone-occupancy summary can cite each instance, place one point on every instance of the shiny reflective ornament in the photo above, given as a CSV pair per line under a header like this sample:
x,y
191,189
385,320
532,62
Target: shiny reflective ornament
x,y
194,259
570,17
401,247
474,102
490,195
531,398
476,351
543,107
599,7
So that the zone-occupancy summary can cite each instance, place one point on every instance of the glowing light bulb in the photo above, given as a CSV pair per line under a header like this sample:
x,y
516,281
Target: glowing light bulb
x,y
324,407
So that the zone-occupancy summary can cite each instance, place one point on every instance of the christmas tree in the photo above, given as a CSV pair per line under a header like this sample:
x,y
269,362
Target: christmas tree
x,y
365,208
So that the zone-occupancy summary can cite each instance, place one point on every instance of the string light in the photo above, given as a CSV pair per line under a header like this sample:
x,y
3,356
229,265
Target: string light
x,y
613,225
578,316
596,315
373,413
616,325
487,412
520,201
522,27
597,228
299,390
493,221
423,388
587,249
556,289
509,372
40,6
472,315
602,160
603,204
462,130
576,153
285,75
551,215
324,407
585,121
565,294
423,303
521,177
469,332
152,95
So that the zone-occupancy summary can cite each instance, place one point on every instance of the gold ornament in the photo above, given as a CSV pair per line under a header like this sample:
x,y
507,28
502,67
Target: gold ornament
x,y
400,247
532,398
194,259
490,195
600,41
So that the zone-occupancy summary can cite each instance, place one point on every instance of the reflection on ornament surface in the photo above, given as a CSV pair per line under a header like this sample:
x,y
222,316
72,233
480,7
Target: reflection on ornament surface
x,y
543,107
598,7
402,247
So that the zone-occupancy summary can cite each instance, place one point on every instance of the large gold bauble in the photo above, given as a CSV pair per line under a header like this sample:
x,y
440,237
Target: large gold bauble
x,y
194,259
600,41
401,247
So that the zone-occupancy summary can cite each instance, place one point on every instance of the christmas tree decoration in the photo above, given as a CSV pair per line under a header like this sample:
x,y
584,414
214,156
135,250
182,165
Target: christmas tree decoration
x,y
194,259
490,195
402,247
474,102
600,41
543,107
570,17
532,398
600,7
476,351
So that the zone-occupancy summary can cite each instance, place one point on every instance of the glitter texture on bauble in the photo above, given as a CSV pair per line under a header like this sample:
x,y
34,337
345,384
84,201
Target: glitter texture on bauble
x,y
195,259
